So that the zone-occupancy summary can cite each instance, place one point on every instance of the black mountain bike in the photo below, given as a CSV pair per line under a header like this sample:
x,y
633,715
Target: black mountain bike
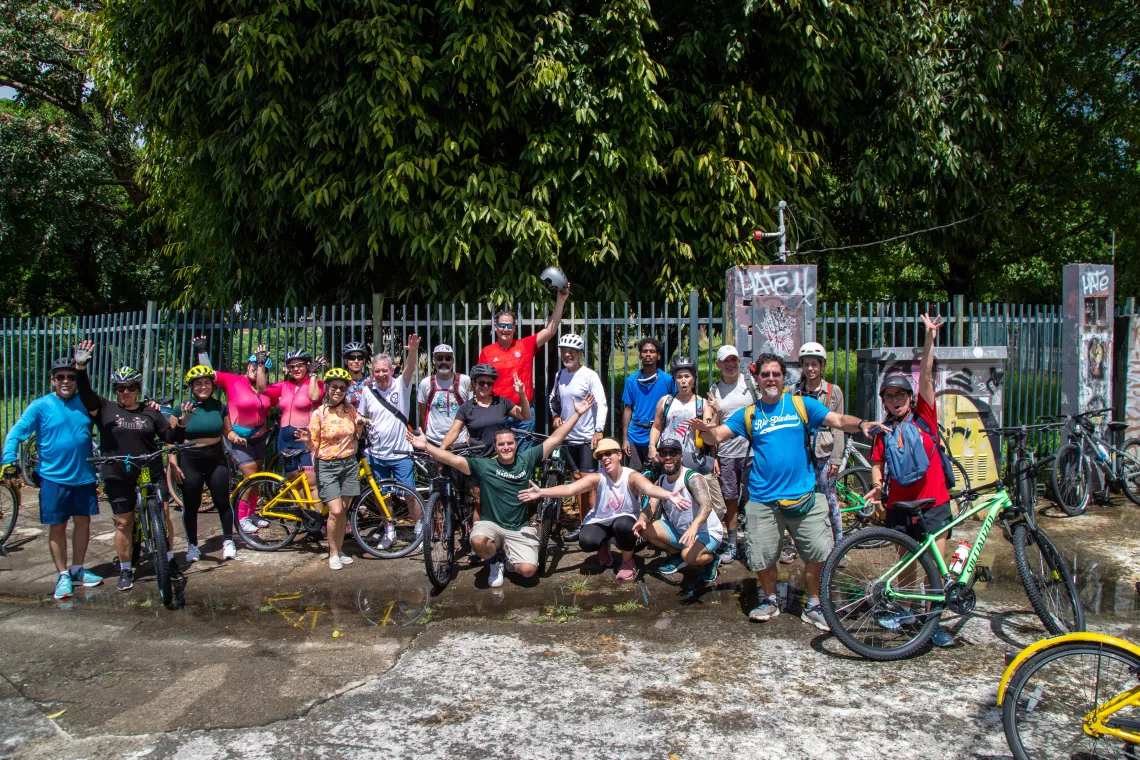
x,y
555,472
1088,464
447,520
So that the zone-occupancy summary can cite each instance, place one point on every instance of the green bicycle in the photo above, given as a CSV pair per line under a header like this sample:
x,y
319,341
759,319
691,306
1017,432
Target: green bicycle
x,y
878,576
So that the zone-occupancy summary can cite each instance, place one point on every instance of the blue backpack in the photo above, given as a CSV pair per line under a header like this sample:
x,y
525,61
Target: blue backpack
x,y
904,452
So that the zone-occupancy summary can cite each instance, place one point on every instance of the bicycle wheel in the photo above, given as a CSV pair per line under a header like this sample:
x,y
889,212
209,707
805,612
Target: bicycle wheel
x,y
156,524
547,516
854,601
392,533
29,460
1070,480
422,477
173,487
9,511
850,486
1025,485
1048,582
1043,711
281,531
1130,469
439,541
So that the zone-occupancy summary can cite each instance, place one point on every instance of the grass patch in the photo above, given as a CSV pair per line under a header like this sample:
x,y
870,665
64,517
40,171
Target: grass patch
x,y
629,606
578,586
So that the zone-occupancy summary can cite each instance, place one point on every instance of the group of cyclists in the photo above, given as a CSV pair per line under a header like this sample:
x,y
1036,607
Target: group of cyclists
x,y
686,471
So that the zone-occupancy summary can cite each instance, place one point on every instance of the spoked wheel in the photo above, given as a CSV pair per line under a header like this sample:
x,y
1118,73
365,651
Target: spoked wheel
x,y
439,541
1052,692
1130,470
547,519
856,605
850,486
1048,582
1070,480
1025,486
156,520
280,531
9,511
390,530
29,460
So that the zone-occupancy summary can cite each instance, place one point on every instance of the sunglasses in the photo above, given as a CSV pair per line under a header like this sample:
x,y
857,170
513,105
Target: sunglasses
x,y
504,325
338,388
126,389
442,358
894,396
64,378
485,383
296,365
669,453
610,453
767,375
354,358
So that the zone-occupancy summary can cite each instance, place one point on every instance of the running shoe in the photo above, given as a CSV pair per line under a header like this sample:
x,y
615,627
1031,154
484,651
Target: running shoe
x,y
345,559
728,556
495,574
389,537
229,550
605,558
86,578
193,553
893,621
63,587
335,563
126,580
709,571
261,523
765,611
813,614
941,638
673,565
628,571
176,572
248,525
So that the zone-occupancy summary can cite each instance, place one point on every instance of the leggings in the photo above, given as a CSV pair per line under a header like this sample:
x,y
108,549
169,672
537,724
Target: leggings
x,y
826,486
205,469
593,535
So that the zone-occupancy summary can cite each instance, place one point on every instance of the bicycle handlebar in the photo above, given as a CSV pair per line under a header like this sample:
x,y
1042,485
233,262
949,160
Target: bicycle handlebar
x,y
141,458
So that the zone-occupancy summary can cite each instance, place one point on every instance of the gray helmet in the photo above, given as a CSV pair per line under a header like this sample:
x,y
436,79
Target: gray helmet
x,y
126,376
896,381
299,353
670,441
63,362
354,348
555,279
486,370
683,362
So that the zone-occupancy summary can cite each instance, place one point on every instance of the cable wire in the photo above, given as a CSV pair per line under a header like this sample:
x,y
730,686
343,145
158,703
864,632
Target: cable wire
x,y
896,237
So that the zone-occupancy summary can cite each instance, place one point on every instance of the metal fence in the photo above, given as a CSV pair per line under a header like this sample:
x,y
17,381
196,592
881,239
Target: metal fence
x,y
159,342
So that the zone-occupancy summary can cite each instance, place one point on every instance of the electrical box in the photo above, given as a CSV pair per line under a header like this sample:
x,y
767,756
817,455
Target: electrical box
x,y
772,309
1086,335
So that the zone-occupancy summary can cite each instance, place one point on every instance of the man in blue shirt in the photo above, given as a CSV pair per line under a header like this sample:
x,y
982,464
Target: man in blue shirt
x,y
643,389
781,484
62,426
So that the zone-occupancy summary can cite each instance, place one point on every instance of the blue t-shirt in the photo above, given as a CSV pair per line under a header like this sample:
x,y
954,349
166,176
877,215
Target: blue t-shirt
x,y
643,397
780,467
63,435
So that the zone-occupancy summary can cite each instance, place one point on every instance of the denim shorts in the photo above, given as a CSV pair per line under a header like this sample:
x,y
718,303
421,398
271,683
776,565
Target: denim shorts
x,y
395,469
703,536
60,503
285,440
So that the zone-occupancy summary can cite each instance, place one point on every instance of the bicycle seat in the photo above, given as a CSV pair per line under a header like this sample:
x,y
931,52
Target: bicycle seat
x,y
292,453
1117,425
163,401
914,505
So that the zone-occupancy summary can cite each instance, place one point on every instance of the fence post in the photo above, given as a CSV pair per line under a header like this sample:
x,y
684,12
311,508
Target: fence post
x,y
148,341
959,320
377,305
1130,306
694,336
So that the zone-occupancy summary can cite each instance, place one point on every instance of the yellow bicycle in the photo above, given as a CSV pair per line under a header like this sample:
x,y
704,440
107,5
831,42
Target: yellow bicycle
x,y
384,518
1075,696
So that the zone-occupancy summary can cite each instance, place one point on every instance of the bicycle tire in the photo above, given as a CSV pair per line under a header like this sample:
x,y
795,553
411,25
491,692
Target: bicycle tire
x,y
439,541
1070,480
1053,704
370,523
1130,470
1060,612
1025,485
173,488
838,583
547,515
858,481
29,460
158,546
9,511
281,531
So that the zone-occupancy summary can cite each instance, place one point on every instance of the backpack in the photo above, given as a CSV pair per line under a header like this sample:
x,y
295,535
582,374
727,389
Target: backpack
x,y
947,467
454,389
905,453
801,410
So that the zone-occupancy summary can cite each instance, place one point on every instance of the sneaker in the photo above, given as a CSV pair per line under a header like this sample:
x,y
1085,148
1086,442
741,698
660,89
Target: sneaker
x,y
628,571
728,556
893,621
709,571
261,523
63,587
126,580
788,555
389,537
345,559
176,572
941,638
673,565
229,550
495,576
87,578
813,614
248,525
193,553
605,558
419,528
335,563
572,535
765,611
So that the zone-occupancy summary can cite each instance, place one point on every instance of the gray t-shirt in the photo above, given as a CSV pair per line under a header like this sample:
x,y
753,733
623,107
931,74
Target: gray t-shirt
x,y
443,406
732,398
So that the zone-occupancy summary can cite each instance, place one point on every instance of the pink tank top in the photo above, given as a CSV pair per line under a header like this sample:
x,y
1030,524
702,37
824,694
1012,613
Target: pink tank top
x,y
296,409
248,408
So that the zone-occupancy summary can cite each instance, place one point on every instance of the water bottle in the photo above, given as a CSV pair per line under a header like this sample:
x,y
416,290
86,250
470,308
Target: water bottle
x,y
959,559
1102,452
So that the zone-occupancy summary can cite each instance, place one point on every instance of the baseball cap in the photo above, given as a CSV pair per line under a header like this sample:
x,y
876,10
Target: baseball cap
x,y
724,352
670,442
442,348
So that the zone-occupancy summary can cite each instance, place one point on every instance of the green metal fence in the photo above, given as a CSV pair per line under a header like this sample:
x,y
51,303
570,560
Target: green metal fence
x,y
159,341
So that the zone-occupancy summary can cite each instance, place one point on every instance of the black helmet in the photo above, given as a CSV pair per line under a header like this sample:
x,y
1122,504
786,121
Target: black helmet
x,y
354,348
63,362
485,370
555,279
896,381
683,362
298,353
126,376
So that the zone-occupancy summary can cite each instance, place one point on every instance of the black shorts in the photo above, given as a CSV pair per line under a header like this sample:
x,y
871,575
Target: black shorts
x,y
918,527
581,457
121,493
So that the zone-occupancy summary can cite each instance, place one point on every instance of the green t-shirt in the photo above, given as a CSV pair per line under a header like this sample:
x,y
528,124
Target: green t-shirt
x,y
501,484
206,421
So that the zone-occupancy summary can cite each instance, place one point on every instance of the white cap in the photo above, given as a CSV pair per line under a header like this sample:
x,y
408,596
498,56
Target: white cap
x,y
442,348
724,352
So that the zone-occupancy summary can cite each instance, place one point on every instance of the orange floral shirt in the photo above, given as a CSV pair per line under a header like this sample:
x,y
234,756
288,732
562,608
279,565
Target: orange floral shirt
x,y
333,431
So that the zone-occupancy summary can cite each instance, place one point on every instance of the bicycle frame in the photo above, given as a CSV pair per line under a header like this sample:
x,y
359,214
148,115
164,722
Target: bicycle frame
x,y
366,475
301,496
993,507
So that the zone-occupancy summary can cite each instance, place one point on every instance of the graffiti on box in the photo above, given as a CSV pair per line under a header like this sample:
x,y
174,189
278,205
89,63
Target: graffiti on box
x,y
778,332
1096,282
1132,379
1094,391
774,306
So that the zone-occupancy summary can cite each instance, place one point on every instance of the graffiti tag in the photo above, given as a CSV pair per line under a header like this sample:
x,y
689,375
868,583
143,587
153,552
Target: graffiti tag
x,y
1095,282
762,281
777,330
1132,378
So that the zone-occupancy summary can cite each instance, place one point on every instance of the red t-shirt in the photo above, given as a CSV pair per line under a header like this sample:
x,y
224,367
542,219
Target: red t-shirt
x,y
518,358
932,485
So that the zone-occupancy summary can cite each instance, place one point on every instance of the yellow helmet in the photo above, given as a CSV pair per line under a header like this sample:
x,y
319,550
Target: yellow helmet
x,y
197,371
336,373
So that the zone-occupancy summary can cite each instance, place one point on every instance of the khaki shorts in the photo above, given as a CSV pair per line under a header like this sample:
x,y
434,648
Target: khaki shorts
x,y
764,531
337,478
716,495
520,546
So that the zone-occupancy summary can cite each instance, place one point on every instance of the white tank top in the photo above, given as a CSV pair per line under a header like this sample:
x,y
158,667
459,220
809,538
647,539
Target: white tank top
x,y
612,500
680,518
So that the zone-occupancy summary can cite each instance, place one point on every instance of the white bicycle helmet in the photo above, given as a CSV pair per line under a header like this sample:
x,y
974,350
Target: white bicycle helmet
x,y
571,340
813,349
